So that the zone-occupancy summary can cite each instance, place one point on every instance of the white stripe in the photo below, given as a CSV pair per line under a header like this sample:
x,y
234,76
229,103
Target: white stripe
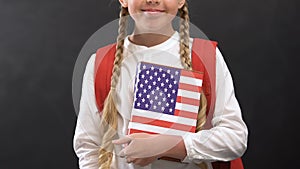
x,y
189,94
162,116
186,107
190,80
156,129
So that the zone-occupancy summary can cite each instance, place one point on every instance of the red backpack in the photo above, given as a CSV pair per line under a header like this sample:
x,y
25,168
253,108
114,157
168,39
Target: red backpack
x,y
203,53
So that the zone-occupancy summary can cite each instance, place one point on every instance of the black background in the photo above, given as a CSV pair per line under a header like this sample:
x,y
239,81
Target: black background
x,y
40,41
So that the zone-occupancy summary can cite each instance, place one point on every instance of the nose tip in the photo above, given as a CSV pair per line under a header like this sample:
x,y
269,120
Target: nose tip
x,y
152,1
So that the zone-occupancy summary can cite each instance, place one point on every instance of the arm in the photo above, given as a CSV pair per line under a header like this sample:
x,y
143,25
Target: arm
x,y
88,131
227,139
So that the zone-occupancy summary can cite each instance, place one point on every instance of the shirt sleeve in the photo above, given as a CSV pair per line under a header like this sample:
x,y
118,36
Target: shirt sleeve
x,y
227,139
88,132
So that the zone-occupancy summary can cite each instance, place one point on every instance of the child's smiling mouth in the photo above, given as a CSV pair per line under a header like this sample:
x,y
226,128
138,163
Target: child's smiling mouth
x,y
150,10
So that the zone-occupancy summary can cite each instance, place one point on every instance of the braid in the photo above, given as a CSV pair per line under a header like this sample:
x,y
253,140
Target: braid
x,y
201,119
187,64
185,37
110,113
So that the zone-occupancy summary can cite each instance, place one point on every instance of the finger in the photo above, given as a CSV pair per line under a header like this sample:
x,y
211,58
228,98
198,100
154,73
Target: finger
x,y
122,153
141,162
144,161
130,160
122,140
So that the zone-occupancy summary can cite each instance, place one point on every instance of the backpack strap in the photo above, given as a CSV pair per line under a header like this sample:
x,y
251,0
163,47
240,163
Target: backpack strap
x,y
104,62
204,60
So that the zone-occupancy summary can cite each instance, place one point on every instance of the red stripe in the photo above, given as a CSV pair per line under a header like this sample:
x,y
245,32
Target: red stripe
x,y
186,100
190,87
131,131
196,75
162,123
186,114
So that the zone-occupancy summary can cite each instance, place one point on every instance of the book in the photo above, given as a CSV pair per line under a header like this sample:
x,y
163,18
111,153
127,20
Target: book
x,y
166,100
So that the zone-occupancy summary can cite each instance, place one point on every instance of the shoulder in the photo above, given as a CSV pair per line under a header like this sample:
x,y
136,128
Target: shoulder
x,y
106,54
89,69
106,48
206,42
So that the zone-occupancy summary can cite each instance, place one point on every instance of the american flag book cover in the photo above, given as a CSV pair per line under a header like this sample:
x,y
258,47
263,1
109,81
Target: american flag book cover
x,y
166,100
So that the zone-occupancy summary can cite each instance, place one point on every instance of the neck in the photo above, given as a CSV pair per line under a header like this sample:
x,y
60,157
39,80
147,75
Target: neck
x,y
151,38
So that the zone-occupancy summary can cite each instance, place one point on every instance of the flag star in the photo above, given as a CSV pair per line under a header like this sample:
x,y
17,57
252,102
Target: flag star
x,y
159,103
138,104
158,79
143,76
173,91
165,89
155,97
141,85
149,86
162,84
157,88
168,71
160,93
144,90
146,81
170,110
144,67
167,104
140,94
153,92
154,83
164,99
167,80
172,100
169,95
175,82
152,68
143,100
170,86
172,76
151,101
155,73
176,73
146,105
160,69
154,107
162,108
150,77
147,72
163,75
148,96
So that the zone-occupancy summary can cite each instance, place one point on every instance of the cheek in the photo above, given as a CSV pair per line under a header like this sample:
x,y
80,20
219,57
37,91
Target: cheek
x,y
133,7
173,8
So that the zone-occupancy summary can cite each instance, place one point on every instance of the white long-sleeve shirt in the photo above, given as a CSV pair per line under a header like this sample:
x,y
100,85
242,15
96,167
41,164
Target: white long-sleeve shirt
x,y
225,140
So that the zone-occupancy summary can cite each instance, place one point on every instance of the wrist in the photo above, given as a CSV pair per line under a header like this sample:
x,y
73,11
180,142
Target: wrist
x,y
178,151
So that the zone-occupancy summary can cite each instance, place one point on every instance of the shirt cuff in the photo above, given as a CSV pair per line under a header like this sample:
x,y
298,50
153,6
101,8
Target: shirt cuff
x,y
191,156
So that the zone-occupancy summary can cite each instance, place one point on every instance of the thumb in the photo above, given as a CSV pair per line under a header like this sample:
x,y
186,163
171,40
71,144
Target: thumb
x,y
122,140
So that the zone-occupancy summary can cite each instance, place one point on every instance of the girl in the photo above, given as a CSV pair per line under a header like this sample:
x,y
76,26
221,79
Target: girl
x,y
154,40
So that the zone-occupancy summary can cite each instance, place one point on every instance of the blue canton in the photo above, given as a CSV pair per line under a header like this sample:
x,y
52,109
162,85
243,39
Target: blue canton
x,y
156,88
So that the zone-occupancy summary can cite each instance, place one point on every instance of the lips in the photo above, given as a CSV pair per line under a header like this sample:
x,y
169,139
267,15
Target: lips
x,y
152,10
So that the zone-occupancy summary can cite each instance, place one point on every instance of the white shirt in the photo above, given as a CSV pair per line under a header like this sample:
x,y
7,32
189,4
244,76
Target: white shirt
x,y
226,140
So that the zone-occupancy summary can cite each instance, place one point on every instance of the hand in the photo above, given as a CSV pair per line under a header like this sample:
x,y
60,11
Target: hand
x,y
141,161
136,145
142,148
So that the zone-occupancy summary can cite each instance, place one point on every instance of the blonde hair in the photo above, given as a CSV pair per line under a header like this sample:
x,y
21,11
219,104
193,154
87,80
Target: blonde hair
x,y
110,113
184,51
